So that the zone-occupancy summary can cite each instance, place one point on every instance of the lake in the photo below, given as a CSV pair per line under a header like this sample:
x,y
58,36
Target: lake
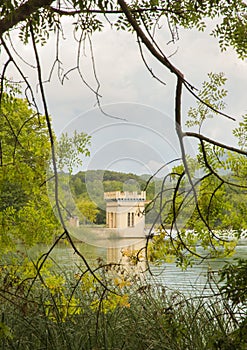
x,y
167,274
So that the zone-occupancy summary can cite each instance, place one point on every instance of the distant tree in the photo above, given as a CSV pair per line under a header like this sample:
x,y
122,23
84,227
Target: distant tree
x,y
78,187
88,210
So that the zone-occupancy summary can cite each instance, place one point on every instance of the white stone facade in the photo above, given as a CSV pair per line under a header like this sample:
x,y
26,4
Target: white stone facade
x,y
125,212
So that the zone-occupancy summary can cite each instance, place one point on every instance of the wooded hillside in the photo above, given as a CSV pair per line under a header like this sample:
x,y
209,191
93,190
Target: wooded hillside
x,y
88,187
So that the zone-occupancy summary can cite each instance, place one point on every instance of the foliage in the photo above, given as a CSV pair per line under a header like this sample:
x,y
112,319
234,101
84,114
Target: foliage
x,y
69,150
39,19
240,132
205,204
111,180
72,311
89,186
234,279
88,209
44,17
25,211
230,27
212,94
56,311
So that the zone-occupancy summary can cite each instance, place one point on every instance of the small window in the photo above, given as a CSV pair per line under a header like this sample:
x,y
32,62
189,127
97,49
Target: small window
x,y
128,219
131,219
111,220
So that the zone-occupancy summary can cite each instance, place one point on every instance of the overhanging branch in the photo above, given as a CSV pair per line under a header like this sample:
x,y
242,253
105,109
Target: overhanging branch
x,y
22,13
216,143
162,58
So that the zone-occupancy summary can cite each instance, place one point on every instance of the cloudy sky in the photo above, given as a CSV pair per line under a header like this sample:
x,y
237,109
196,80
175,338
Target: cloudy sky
x,y
140,136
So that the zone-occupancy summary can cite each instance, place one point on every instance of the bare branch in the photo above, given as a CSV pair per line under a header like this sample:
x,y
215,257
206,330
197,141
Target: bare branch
x,y
188,87
146,64
213,142
3,77
62,12
21,74
146,41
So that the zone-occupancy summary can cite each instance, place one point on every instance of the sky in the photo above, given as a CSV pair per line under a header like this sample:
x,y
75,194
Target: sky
x,y
137,133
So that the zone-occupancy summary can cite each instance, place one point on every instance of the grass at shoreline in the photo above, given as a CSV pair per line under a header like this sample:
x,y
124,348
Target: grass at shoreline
x,y
75,312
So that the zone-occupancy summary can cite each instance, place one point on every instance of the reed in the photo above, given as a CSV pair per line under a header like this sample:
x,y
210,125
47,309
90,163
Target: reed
x,y
74,311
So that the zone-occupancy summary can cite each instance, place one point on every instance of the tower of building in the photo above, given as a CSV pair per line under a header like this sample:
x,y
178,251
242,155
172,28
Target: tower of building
x,y
125,211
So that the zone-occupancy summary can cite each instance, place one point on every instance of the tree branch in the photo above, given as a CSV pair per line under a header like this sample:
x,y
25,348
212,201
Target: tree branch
x,y
162,58
139,10
219,144
22,13
190,89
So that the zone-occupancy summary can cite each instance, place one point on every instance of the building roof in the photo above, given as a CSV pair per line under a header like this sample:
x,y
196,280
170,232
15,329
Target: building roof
x,y
125,196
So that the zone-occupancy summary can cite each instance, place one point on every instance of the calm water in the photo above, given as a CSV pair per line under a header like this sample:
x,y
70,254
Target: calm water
x,y
194,278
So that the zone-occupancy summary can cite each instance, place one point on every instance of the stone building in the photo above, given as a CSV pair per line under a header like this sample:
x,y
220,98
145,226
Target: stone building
x,y
125,212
